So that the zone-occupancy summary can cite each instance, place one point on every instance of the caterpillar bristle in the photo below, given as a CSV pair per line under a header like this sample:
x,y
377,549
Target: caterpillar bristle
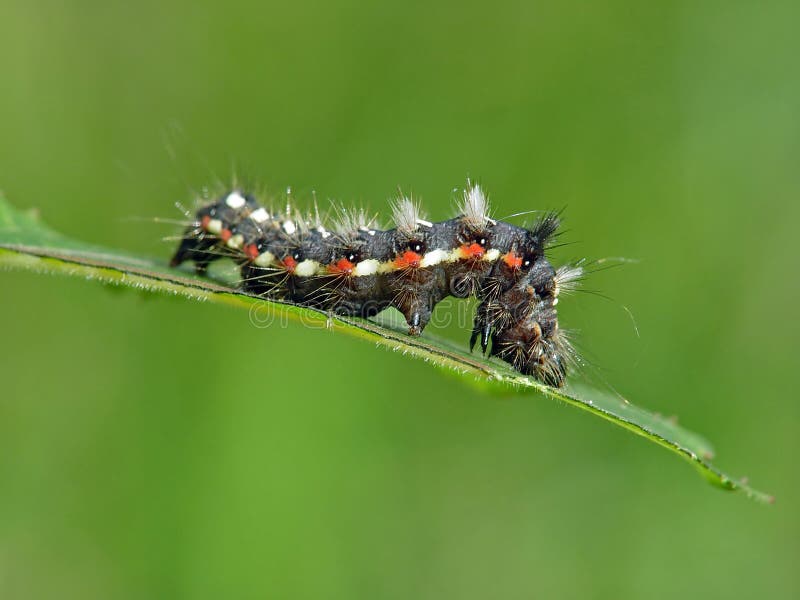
x,y
568,277
406,215
474,207
545,228
348,222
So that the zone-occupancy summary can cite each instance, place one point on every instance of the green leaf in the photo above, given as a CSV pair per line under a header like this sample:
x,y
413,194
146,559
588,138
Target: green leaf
x,y
27,244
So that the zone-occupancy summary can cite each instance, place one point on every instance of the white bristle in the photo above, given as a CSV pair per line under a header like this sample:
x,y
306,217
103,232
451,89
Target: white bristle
x,y
406,214
351,221
474,207
567,277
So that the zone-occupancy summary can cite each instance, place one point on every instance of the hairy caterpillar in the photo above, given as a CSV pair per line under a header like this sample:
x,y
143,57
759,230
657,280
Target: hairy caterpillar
x,y
351,267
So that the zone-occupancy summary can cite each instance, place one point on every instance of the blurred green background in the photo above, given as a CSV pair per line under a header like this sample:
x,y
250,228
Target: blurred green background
x,y
161,448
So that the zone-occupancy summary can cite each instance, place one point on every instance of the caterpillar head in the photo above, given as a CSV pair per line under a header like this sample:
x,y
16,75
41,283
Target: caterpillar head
x,y
535,346
529,337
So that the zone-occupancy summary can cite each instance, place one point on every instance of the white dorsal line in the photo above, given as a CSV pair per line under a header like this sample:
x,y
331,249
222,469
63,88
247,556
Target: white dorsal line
x,y
371,266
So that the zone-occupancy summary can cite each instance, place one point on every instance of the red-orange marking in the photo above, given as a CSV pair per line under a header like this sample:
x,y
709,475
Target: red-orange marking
x,y
225,234
205,221
407,259
289,262
513,260
473,250
341,267
251,250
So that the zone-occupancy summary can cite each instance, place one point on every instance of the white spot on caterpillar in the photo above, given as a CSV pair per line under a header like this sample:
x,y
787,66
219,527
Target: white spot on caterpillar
x,y
235,200
424,223
236,241
306,268
289,227
214,226
491,255
265,259
260,216
366,267
434,257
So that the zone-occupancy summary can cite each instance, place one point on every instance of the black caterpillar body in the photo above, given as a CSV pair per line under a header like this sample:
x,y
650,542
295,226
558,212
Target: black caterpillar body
x,y
356,269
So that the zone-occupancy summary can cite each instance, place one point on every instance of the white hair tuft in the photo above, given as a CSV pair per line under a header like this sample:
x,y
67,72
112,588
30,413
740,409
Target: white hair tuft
x,y
474,207
406,214
349,221
568,277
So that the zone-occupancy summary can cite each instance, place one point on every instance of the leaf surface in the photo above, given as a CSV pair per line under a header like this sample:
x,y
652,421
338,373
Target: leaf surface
x,y
27,244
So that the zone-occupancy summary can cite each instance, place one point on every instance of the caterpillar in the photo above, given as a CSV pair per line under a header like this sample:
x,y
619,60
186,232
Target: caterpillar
x,y
351,267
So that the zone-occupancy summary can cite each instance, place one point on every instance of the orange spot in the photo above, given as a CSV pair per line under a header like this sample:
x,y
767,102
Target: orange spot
x,y
225,234
341,266
290,263
407,259
251,251
473,250
205,221
513,260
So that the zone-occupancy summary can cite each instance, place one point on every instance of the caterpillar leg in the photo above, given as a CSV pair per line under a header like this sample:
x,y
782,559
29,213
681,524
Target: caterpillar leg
x,y
198,249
